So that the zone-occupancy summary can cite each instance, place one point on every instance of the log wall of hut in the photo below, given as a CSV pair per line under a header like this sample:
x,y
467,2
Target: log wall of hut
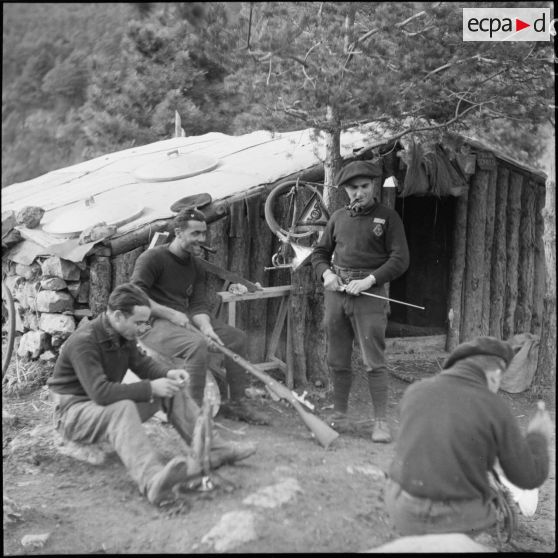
x,y
479,255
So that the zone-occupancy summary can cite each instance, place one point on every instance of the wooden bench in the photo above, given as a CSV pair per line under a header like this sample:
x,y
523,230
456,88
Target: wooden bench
x,y
283,291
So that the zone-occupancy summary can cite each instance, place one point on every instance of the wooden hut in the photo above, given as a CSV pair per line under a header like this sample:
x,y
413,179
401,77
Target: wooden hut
x,y
477,261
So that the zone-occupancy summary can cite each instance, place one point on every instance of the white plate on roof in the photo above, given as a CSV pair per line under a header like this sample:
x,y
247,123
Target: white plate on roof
x,y
174,165
72,222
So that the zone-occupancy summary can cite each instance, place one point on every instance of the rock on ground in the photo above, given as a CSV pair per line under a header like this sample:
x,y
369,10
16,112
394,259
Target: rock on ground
x,y
234,528
275,495
448,542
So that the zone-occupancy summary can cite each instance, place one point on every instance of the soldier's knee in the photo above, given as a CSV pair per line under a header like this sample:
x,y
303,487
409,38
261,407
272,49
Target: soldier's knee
x,y
123,408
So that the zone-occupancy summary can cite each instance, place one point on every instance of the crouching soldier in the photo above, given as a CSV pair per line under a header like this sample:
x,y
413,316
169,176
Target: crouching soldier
x,y
92,405
453,428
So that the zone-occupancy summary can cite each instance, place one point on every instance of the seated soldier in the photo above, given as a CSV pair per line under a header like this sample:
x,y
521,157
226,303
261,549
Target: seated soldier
x,y
92,405
453,428
176,287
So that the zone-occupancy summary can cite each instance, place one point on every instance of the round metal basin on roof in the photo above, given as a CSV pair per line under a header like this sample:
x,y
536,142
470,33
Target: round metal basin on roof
x,y
173,166
74,221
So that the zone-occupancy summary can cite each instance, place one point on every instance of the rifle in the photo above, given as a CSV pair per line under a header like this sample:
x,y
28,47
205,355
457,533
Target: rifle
x,y
323,433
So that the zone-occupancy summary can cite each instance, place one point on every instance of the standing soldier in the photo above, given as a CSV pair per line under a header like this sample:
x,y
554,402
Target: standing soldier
x,y
363,248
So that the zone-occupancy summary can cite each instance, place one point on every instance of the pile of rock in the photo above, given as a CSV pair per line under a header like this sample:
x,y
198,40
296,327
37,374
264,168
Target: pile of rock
x,y
52,298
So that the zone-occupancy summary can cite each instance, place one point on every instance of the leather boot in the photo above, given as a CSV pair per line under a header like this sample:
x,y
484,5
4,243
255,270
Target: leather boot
x,y
381,433
227,453
160,485
240,409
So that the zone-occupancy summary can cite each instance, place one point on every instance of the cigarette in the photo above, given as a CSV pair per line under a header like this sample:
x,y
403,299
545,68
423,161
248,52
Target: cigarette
x,y
208,249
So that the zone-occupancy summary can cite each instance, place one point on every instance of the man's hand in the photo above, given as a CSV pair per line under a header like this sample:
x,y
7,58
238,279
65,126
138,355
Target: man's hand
x,y
207,330
180,375
356,286
332,282
541,423
178,318
164,387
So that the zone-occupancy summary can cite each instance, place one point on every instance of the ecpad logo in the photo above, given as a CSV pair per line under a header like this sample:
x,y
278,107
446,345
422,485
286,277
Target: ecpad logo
x,y
507,24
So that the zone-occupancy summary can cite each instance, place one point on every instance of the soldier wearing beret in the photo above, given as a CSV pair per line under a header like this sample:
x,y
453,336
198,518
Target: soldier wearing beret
x,y
176,286
453,428
362,249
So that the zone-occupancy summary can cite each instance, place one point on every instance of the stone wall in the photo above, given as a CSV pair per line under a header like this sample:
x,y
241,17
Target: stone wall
x,y
51,297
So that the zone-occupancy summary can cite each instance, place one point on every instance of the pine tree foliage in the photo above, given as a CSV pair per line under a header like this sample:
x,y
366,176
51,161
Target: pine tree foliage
x,y
402,64
80,80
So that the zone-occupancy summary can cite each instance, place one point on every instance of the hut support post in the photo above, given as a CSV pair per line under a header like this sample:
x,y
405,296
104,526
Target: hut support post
x,y
474,257
512,253
457,270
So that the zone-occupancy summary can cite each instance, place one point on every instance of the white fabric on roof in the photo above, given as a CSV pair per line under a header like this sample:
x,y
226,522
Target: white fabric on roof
x,y
244,162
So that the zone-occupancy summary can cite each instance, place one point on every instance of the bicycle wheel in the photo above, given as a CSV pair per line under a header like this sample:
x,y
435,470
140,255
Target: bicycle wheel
x,y
297,228
8,327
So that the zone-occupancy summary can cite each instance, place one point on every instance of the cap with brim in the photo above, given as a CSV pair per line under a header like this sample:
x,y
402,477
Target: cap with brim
x,y
358,168
489,346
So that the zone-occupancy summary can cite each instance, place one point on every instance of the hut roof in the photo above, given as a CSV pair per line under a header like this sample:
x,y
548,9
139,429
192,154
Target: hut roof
x,y
241,163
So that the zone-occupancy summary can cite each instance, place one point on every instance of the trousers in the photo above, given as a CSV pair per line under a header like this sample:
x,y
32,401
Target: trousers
x,y
185,343
420,516
80,419
348,317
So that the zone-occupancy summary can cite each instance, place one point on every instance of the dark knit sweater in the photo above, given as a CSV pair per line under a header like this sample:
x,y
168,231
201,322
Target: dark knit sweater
x,y
172,281
373,240
94,360
452,429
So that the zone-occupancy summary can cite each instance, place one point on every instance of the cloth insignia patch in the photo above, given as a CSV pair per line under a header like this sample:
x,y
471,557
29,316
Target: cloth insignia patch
x,y
378,220
378,230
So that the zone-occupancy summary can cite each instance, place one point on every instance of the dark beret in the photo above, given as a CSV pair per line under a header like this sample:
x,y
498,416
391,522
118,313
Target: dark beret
x,y
489,346
358,168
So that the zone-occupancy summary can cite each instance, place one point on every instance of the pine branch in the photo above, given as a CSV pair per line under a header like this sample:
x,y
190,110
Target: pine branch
x,y
456,63
372,32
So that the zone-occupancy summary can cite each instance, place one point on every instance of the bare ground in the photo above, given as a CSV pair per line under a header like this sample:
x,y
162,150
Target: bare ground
x,y
332,500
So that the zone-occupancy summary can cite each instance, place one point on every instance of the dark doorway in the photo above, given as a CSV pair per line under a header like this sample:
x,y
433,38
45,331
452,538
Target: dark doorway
x,y
428,222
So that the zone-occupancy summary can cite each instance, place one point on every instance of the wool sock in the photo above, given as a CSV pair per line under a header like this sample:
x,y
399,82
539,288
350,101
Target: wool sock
x,y
378,387
342,380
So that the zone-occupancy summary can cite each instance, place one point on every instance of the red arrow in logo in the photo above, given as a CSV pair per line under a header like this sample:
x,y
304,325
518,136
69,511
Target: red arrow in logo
x,y
520,25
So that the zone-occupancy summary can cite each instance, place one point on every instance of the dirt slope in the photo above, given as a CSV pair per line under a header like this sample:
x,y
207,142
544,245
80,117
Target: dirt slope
x,y
292,496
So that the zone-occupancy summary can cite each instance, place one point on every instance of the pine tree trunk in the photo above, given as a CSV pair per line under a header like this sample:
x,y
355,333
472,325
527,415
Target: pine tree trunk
x,y
474,257
314,338
488,251
498,277
512,252
544,382
457,271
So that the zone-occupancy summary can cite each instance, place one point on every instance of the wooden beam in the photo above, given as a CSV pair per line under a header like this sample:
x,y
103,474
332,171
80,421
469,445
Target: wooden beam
x,y
488,251
416,345
267,292
512,252
540,266
474,257
227,275
498,277
142,235
526,270
457,269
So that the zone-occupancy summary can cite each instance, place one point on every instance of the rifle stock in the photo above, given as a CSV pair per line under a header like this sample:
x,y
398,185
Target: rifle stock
x,y
323,433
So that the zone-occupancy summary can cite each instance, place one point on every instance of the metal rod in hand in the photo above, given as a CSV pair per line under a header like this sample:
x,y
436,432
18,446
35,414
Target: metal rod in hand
x,y
389,299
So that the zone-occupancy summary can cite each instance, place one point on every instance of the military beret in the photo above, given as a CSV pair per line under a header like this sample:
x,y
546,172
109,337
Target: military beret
x,y
358,168
489,346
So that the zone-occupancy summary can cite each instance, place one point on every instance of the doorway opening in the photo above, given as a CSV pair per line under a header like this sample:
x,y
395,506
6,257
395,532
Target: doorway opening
x,y
429,223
